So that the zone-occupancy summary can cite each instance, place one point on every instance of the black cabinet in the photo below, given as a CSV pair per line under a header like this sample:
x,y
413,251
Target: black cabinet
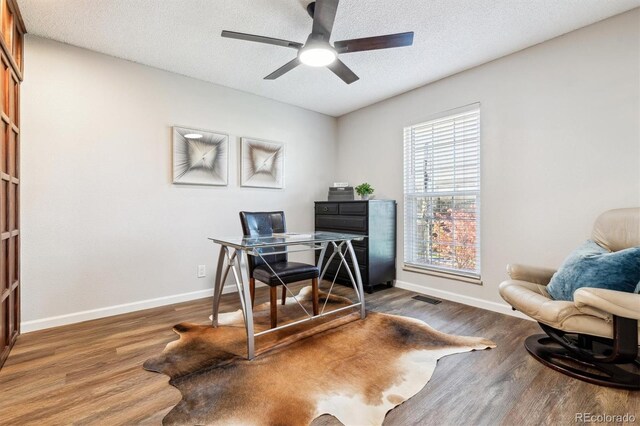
x,y
376,254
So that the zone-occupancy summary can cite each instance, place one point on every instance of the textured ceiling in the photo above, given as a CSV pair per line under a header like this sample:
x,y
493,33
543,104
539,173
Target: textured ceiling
x,y
184,37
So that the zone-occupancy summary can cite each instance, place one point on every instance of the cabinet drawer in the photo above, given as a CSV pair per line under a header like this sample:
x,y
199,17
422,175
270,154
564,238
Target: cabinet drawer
x,y
346,223
361,243
343,274
361,255
354,208
327,208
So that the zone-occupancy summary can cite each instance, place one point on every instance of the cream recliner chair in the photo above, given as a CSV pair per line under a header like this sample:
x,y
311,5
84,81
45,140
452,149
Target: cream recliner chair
x,y
595,337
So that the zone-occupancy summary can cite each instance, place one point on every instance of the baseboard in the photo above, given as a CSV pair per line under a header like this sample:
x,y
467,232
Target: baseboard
x,y
75,317
501,308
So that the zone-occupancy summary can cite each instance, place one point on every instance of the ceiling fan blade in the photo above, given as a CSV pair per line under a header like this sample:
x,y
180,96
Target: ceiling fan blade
x,y
283,69
323,17
261,39
374,43
344,72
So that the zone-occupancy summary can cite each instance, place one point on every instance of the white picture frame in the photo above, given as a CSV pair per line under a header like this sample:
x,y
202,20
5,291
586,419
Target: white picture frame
x,y
200,157
262,163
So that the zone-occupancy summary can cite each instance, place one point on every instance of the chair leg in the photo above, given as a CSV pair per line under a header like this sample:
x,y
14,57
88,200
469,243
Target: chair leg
x,y
314,289
252,290
284,295
273,303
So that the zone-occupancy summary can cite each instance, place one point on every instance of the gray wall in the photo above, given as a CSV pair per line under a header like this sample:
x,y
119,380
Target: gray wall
x,y
102,223
560,143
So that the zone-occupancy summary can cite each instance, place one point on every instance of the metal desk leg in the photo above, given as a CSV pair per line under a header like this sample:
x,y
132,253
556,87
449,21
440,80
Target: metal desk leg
x,y
356,267
322,254
219,283
336,249
217,286
243,264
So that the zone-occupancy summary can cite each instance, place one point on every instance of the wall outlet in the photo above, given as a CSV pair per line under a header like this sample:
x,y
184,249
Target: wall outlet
x,y
202,271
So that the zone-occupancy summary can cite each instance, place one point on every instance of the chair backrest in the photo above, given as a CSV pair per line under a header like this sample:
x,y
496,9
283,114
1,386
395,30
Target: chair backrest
x,y
256,224
618,229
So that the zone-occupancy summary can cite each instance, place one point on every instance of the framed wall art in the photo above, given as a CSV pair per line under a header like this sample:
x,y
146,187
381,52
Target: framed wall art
x,y
200,157
262,163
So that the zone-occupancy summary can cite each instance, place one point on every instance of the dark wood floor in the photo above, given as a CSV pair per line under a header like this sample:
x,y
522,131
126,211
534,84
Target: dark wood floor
x,y
90,373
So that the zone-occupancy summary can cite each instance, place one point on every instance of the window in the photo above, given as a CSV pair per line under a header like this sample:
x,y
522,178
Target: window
x,y
442,193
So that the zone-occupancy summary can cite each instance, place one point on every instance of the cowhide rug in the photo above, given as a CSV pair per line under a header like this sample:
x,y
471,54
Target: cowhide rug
x,y
356,372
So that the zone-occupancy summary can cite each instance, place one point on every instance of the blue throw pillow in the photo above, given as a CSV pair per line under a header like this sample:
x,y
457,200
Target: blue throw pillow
x,y
593,266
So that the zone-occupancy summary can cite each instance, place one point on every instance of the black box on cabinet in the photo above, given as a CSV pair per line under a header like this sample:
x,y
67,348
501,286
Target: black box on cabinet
x,y
344,193
376,254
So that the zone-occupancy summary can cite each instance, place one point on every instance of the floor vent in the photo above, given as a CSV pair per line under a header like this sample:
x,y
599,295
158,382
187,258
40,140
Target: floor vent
x,y
427,299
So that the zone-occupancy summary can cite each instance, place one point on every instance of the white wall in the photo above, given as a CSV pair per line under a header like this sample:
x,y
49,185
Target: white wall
x,y
102,224
560,144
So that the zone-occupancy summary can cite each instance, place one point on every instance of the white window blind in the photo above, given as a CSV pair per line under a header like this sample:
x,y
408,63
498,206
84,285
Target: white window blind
x,y
442,193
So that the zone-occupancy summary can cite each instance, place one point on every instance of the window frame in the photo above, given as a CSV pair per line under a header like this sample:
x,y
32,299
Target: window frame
x,y
474,277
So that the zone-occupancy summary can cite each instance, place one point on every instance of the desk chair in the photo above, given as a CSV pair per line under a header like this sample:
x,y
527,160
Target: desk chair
x,y
265,223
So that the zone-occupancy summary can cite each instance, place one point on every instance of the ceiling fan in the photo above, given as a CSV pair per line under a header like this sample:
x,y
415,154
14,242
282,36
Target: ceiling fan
x,y
317,51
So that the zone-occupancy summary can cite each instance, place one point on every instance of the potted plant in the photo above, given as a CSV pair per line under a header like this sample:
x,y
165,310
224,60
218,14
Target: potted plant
x,y
364,190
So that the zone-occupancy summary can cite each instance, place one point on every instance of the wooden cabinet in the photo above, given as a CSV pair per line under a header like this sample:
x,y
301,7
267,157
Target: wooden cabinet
x,y
10,77
376,254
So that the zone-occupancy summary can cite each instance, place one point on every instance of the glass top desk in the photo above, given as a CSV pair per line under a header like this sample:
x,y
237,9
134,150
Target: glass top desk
x,y
234,252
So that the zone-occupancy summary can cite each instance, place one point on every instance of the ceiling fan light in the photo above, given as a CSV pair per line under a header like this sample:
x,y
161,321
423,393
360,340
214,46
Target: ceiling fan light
x,y
317,56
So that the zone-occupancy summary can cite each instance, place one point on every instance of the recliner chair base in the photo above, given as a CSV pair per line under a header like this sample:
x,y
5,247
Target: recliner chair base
x,y
596,360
